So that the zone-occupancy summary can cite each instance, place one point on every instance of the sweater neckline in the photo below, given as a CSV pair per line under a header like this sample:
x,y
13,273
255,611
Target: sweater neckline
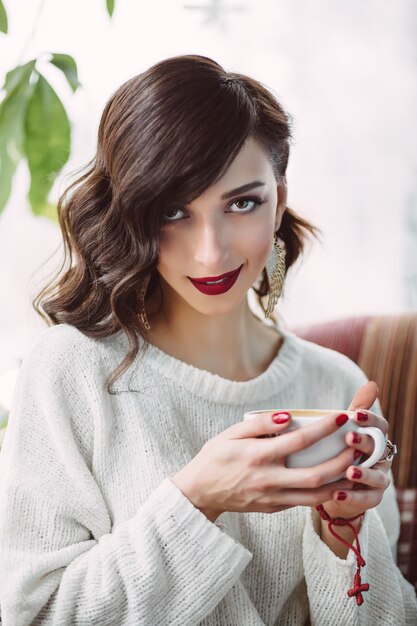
x,y
215,388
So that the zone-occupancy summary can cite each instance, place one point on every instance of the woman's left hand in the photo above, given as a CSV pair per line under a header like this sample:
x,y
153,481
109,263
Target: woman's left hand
x,y
368,487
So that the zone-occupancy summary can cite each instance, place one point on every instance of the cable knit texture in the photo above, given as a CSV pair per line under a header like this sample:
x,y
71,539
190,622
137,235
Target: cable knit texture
x,y
94,532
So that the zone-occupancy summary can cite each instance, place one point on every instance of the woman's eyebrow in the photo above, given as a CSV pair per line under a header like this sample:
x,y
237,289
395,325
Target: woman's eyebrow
x,y
229,194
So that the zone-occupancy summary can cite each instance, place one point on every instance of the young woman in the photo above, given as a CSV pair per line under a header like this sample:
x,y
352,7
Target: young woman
x,y
132,491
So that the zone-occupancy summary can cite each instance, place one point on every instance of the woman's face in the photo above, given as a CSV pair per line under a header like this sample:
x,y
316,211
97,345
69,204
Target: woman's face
x,y
216,234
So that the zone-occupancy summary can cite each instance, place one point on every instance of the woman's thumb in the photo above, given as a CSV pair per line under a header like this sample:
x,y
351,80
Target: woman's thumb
x,y
365,396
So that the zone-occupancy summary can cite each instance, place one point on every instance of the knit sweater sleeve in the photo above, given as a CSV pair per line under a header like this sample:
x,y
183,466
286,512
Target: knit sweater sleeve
x,y
61,560
391,598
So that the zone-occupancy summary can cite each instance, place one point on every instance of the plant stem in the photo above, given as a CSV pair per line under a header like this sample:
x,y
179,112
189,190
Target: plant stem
x,y
33,31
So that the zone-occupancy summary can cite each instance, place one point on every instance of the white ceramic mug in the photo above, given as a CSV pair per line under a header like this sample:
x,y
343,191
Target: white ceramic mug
x,y
332,444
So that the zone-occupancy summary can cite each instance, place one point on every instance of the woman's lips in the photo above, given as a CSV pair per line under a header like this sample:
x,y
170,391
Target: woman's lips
x,y
227,282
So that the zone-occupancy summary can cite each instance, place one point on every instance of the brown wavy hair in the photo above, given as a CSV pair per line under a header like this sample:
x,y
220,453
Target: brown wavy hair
x,y
164,135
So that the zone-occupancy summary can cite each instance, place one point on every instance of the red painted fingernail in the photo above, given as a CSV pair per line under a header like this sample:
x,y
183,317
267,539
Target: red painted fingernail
x,y
341,419
357,473
362,416
281,417
356,438
341,495
357,454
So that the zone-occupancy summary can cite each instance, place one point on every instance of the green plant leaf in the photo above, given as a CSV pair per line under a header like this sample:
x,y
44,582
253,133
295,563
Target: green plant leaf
x,y
110,6
17,77
47,142
51,212
18,89
68,66
3,18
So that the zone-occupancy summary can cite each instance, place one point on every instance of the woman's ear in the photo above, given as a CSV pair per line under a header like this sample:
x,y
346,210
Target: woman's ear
x,y
281,201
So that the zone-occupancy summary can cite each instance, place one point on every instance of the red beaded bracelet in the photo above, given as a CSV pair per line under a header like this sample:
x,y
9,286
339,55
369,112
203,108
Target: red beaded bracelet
x,y
358,586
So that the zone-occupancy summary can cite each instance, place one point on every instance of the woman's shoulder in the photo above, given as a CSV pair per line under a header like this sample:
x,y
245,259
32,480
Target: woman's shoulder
x,y
65,347
327,370
57,339
321,358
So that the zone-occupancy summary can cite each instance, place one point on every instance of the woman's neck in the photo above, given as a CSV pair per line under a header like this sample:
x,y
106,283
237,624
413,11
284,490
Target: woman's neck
x,y
236,347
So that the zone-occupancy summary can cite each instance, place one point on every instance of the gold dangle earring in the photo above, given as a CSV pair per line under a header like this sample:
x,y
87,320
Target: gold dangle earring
x,y
142,311
275,273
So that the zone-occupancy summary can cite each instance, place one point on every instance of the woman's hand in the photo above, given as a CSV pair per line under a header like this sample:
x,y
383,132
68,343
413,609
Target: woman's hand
x,y
368,484
238,471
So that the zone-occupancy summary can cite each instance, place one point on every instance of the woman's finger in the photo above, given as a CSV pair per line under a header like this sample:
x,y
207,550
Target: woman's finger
x,y
367,418
295,440
370,477
262,424
308,477
360,441
365,396
362,498
302,497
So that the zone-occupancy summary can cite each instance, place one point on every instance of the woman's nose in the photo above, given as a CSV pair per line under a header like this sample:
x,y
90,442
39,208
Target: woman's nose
x,y
211,248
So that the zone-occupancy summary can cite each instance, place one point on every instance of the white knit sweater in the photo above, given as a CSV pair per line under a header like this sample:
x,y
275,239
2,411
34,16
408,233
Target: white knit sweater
x,y
94,532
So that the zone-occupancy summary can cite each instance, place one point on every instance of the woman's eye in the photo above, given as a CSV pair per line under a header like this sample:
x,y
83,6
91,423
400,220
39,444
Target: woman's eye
x,y
246,209
171,215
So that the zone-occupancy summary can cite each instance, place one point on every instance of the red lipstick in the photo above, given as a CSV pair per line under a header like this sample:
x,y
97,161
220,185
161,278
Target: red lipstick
x,y
206,286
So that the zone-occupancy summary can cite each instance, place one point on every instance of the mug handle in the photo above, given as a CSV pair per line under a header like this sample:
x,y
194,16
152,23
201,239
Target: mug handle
x,y
379,441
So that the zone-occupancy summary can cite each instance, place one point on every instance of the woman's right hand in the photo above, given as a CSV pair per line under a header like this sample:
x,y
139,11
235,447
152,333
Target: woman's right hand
x,y
241,470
